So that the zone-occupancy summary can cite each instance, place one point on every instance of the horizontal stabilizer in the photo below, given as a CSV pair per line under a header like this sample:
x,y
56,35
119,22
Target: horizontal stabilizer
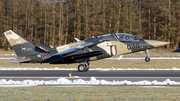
x,y
20,60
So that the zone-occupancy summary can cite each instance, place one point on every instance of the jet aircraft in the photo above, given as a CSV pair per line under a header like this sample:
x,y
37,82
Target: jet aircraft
x,y
82,51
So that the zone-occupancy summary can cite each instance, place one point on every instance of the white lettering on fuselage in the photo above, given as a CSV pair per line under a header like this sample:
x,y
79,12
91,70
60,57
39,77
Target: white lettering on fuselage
x,y
26,49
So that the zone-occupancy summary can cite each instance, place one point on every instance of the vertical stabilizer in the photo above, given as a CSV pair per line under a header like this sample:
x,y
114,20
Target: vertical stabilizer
x,y
22,47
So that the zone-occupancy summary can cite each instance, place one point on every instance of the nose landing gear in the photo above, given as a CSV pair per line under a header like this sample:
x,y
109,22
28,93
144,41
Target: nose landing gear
x,y
147,59
84,67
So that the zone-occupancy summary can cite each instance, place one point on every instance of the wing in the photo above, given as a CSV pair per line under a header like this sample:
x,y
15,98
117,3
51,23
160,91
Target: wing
x,y
79,47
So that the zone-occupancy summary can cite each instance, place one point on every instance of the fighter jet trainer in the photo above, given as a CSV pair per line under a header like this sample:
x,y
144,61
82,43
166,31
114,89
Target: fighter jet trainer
x,y
82,51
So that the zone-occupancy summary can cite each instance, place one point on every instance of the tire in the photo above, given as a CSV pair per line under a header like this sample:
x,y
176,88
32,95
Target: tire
x,y
147,59
81,68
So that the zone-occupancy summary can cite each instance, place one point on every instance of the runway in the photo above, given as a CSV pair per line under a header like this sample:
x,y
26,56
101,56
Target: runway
x,y
90,73
92,77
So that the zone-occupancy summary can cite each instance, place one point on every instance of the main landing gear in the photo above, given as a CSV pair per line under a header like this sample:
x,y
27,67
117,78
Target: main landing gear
x,y
147,59
84,67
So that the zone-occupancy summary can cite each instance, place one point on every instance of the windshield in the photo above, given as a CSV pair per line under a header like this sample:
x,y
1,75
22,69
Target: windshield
x,y
127,37
120,36
106,37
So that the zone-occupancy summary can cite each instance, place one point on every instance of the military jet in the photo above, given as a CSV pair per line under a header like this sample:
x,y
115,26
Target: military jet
x,y
82,51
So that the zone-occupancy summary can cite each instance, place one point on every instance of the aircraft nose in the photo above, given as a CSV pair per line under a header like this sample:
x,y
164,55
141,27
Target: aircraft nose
x,y
156,43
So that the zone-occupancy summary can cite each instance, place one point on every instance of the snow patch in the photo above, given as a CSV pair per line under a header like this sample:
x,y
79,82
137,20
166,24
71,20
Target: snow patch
x,y
92,81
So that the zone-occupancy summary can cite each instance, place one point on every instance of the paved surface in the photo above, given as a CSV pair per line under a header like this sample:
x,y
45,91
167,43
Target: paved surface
x,y
130,75
90,73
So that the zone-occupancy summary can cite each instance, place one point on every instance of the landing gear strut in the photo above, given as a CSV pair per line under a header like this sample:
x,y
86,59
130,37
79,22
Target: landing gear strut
x,y
84,67
147,59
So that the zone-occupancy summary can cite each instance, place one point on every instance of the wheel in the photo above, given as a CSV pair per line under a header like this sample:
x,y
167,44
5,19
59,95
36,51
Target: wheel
x,y
81,68
147,59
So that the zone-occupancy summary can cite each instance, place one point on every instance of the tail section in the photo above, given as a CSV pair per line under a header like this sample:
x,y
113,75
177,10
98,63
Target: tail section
x,y
22,47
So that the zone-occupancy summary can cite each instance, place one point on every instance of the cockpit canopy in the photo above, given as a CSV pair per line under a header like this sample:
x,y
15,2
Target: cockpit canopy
x,y
119,36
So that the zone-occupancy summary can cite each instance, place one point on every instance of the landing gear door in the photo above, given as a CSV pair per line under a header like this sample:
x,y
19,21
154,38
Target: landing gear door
x,y
113,50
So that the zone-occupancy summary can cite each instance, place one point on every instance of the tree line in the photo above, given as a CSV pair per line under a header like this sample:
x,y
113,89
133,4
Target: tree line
x,y
58,22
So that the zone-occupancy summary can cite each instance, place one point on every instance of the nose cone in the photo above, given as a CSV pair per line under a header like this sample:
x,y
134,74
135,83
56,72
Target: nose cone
x,y
156,43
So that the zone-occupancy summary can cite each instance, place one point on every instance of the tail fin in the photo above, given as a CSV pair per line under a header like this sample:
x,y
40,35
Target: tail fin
x,y
22,47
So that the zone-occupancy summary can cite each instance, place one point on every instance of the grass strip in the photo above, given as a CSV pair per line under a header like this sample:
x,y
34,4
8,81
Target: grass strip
x,y
95,93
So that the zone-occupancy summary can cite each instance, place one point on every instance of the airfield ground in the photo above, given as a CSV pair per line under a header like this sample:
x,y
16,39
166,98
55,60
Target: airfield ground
x,y
95,93
98,93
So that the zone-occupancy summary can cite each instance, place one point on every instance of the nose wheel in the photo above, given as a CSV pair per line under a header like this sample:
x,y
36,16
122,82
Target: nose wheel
x,y
83,67
147,59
